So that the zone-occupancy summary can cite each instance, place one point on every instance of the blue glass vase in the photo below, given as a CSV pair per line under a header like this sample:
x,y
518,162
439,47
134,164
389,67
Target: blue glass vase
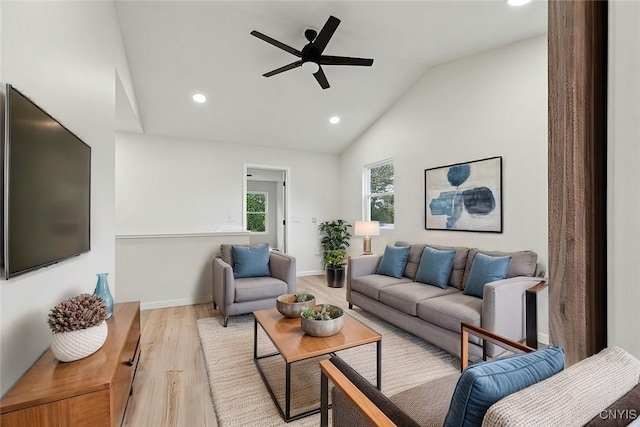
x,y
102,291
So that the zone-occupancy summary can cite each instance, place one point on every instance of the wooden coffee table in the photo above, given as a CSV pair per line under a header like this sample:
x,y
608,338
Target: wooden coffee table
x,y
294,345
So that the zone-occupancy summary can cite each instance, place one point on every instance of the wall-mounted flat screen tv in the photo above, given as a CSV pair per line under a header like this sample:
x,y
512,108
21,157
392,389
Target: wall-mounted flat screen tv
x,y
47,188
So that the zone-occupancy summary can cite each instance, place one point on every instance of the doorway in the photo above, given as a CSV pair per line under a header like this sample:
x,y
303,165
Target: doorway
x,y
269,186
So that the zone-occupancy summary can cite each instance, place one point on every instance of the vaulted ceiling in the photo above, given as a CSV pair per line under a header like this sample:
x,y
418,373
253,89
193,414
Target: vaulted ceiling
x,y
178,48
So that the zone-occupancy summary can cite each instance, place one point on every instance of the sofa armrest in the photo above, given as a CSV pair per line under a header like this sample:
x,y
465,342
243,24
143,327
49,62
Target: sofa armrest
x,y
503,307
224,285
361,266
283,267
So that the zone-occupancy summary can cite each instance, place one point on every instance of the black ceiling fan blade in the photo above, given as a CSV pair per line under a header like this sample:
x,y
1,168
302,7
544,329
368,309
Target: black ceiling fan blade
x,y
321,78
276,43
345,60
283,69
323,37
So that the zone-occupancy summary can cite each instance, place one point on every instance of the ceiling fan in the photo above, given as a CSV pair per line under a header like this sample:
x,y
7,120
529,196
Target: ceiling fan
x,y
311,57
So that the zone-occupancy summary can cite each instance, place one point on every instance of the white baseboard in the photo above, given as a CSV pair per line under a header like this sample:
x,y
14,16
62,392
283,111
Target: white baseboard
x,y
543,338
174,303
200,300
310,273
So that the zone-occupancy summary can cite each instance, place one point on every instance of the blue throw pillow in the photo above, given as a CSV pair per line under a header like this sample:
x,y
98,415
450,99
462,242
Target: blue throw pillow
x,y
394,261
250,261
482,385
485,269
435,267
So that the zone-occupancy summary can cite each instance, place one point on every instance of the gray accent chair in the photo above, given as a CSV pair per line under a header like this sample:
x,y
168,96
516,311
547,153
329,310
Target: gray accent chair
x,y
240,296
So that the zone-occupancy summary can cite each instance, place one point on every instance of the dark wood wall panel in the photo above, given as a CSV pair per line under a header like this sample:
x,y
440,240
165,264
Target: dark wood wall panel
x,y
577,176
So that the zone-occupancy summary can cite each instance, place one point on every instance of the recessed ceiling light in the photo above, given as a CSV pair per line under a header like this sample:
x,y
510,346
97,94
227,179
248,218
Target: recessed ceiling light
x,y
334,120
199,98
518,2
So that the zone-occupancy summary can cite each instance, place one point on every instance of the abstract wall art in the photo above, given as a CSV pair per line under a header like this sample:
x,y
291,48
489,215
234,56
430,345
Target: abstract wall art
x,y
464,196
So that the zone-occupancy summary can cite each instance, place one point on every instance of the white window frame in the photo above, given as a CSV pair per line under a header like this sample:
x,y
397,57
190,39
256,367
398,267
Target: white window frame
x,y
367,195
266,212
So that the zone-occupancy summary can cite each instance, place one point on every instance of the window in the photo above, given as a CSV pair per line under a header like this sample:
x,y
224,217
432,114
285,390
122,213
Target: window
x,y
257,211
378,193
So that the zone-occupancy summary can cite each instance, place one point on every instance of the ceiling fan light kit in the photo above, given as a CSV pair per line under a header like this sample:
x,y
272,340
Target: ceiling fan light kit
x,y
311,57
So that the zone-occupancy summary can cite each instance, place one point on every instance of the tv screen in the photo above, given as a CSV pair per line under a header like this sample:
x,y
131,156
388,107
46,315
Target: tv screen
x,y
47,186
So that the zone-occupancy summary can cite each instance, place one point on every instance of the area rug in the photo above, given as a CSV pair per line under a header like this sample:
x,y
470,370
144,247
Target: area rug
x,y
240,397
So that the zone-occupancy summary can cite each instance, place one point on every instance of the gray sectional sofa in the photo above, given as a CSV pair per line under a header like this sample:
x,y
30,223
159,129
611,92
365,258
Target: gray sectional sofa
x,y
435,314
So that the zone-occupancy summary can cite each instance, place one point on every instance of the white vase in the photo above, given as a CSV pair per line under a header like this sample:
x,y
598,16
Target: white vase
x,y
75,345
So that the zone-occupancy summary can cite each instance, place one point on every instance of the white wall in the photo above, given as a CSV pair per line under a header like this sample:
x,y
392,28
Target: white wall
x,y
490,104
166,271
176,186
623,176
62,56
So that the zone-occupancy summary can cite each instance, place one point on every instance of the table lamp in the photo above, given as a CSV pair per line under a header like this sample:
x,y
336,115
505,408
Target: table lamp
x,y
367,229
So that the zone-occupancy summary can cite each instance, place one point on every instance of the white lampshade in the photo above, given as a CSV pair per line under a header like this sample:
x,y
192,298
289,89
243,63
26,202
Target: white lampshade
x,y
367,228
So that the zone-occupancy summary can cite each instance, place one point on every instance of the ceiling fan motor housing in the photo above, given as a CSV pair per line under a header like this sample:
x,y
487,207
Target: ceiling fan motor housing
x,y
310,34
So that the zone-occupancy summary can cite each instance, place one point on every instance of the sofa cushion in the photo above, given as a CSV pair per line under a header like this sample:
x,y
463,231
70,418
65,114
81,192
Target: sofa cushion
x,y
435,267
371,284
374,395
393,261
485,269
622,412
449,311
226,254
415,254
482,385
523,263
252,261
459,264
405,296
572,397
256,288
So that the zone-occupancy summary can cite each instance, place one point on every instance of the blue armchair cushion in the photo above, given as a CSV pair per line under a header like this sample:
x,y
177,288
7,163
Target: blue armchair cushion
x,y
435,267
485,269
394,261
482,385
250,261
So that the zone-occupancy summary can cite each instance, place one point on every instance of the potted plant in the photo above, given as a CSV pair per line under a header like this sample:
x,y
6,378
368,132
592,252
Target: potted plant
x,y
291,305
323,320
334,241
78,327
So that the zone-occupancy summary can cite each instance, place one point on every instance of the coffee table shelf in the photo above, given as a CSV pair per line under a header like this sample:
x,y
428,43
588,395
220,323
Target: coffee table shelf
x,y
294,345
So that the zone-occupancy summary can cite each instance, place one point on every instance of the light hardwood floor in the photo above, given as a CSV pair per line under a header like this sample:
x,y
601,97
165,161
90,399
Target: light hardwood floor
x,y
171,386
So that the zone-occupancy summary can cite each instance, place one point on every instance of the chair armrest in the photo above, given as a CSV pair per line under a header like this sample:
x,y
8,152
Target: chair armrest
x,y
503,307
531,309
487,336
368,409
283,267
224,285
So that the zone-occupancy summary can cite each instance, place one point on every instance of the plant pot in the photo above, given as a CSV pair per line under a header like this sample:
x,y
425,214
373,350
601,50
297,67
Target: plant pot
x,y
76,345
335,277
323,328
293,309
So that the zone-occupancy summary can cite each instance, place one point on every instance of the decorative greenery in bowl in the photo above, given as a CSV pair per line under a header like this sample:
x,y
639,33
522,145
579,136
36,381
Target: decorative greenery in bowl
x,y
291,305
323,320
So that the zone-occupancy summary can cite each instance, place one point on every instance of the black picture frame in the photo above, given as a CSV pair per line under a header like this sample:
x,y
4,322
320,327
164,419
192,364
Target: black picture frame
x,y
464,196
